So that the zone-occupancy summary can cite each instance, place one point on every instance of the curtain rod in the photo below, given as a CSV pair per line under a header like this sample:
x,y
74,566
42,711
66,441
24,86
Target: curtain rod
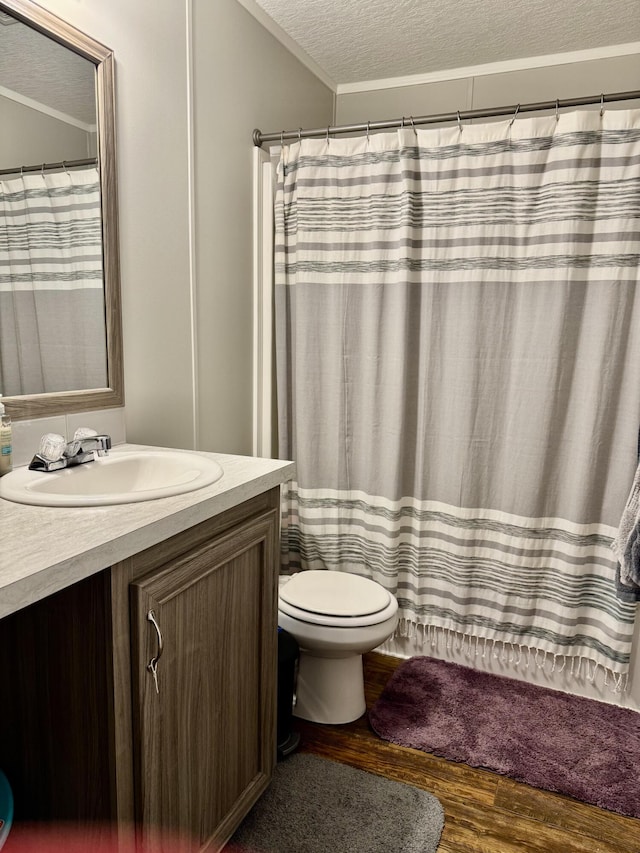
x,y
513,109
47,167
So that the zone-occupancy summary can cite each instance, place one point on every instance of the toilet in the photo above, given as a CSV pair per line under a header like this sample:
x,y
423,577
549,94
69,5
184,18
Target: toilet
x,y
336,617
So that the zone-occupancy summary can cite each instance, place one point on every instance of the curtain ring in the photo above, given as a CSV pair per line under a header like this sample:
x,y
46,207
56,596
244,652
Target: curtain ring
x,y
368,126
413,126
514,116
601,105
327,134
459,122
282,138
557,110
299,134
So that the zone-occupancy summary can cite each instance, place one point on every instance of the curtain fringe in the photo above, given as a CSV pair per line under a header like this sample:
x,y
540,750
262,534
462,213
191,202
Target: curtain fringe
x,y
471,646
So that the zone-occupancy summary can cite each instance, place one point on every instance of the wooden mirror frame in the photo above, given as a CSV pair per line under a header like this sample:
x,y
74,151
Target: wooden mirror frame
x,y
43,405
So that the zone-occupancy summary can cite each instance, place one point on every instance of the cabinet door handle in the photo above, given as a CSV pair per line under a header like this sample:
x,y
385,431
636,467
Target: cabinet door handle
x,y
152,666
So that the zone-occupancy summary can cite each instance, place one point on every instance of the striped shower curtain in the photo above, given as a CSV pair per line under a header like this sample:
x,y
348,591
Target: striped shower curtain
x,y
458,351
52,311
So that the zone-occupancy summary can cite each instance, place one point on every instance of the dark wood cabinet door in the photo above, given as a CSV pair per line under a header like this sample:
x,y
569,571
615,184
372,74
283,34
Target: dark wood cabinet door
x,y
205,739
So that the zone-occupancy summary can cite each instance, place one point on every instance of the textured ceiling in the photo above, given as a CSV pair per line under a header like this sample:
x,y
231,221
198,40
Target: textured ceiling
x,y
358,40
39,68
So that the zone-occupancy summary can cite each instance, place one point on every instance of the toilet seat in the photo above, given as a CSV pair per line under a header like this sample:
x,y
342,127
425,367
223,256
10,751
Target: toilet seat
x,y
338,599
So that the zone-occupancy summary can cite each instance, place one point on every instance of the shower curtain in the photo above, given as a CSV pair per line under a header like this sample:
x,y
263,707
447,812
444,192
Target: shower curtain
x,y
52,313
457,346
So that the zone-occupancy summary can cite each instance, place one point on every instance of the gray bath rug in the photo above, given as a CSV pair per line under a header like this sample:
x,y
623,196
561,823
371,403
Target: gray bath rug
x,y
319,806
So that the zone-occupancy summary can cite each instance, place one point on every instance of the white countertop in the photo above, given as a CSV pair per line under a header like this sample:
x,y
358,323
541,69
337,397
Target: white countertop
x,y
44,549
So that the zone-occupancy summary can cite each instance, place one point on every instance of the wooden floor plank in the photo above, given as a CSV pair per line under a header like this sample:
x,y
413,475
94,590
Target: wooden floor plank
x,y
568,814
484,812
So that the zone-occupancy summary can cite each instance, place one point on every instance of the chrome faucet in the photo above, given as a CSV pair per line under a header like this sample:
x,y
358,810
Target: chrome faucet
x,y
100,444
55,455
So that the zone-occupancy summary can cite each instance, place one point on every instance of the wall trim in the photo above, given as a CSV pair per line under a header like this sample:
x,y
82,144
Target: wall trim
x,y
193,294
285,39
263,224
490,68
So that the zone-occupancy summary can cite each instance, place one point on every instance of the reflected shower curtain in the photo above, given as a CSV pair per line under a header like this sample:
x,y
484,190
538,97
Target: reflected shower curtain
x,y
52,313
458,341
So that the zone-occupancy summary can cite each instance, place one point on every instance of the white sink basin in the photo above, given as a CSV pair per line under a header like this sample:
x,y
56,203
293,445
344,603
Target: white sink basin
x,y
121,477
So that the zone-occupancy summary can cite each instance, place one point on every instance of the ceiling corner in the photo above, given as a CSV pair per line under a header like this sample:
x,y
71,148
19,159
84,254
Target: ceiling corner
x,y
290,44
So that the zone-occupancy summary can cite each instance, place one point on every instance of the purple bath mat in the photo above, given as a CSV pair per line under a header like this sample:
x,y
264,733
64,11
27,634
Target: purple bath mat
x,y
586,749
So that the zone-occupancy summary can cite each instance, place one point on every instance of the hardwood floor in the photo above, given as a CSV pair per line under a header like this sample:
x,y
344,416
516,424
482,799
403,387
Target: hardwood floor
x,y
484,812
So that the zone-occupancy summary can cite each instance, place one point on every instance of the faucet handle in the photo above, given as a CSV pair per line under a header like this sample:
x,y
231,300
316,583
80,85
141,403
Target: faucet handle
x,y
84,432
51,447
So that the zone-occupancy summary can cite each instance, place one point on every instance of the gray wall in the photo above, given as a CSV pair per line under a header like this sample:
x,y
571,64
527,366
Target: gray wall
x,y
29,137
244,79
149,41
619,74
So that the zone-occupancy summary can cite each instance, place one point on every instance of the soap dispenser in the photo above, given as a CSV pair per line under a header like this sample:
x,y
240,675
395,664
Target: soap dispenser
x,y
5,440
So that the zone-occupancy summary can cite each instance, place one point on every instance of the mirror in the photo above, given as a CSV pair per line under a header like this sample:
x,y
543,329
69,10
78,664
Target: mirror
x,y
89,106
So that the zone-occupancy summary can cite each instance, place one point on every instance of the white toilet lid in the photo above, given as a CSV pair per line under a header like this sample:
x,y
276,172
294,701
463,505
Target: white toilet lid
x,y
334,593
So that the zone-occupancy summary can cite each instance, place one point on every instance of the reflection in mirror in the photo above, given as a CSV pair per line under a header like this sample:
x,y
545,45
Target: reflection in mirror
x,y
60,342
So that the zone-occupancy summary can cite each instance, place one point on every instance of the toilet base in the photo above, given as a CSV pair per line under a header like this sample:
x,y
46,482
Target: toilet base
x,y
329,690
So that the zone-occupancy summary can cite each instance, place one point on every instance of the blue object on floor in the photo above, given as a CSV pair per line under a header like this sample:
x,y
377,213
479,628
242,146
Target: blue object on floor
x,y
6,808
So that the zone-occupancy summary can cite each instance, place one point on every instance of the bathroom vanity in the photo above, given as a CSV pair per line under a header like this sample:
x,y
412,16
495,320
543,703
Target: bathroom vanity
x,y
138,652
